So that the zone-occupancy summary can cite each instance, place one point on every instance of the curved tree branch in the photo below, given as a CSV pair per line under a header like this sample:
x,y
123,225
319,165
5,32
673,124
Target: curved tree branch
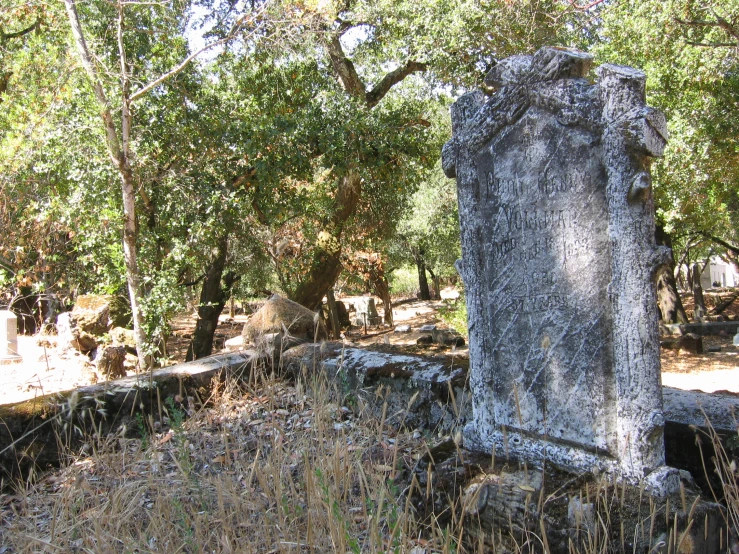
x,y
585,7
353,84
344,68
713,44
720,22
730,247
391,79
18,34
232,33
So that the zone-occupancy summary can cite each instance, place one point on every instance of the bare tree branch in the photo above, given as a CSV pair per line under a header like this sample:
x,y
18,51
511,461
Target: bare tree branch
x,y
125,88
391,79
585,7
353,84
177,69
345,68
18,34
720,22
726,26
111,135
730,247
697,23
713,44
4,80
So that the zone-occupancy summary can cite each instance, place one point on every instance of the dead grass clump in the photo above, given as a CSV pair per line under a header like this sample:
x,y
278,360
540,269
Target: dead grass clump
x,y
265,468
723,464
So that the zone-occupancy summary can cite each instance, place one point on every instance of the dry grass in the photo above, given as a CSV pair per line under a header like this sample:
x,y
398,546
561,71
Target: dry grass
x,y
273,467
723,465
265,468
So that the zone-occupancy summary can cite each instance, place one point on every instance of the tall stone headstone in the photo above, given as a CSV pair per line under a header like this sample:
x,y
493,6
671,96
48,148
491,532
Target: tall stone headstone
x,y
9,338
558,254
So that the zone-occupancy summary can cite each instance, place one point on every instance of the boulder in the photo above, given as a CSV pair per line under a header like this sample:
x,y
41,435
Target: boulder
x,y
277,343
96,314
123,337
69,335
93,316
447,337
283,316
234,344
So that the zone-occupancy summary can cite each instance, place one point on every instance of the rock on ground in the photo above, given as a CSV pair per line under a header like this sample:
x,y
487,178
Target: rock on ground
x,y
280,315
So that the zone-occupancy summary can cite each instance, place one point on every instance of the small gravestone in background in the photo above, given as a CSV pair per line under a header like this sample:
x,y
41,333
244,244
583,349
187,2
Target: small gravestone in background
x,y
557,228
366,312
9,338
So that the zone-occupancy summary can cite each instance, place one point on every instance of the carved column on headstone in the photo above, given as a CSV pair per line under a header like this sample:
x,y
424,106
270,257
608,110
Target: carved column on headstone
x,y
632,134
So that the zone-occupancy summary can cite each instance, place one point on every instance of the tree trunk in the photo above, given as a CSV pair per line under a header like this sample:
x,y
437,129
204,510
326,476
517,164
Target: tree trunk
x,y
436,282
326,265
213,298
333,314
119,148
382,289
119,156
668,299
423,283
130,259
699,312
325,269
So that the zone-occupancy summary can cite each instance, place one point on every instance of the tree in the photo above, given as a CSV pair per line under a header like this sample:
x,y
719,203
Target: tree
x,y
301,146
428,234
668,299
326,175
37,259
118,135
361,39
688,51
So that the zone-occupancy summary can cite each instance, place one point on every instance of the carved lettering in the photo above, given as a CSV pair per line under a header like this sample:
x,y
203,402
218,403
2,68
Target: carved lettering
x,y
537,303
517,220
542,278
546,184
502,248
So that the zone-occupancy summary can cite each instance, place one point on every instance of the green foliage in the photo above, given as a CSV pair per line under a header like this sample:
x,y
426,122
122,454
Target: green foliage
x,y
454,314
429,230
404,281
251,143
459,41
693,79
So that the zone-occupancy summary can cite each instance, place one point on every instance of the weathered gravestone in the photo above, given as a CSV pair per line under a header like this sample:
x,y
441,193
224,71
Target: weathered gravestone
x,y
9,338
557,227
366,312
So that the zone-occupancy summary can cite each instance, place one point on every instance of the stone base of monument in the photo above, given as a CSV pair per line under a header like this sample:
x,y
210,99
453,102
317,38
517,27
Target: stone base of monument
x,y
509,507
11,359
661,482
504,502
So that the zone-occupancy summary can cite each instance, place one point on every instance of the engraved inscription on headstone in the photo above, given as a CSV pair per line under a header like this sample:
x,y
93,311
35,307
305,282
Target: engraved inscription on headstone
x,y
543,200
558,251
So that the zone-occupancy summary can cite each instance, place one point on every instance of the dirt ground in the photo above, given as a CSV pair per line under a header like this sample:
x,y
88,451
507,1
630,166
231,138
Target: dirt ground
x,y
45,369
